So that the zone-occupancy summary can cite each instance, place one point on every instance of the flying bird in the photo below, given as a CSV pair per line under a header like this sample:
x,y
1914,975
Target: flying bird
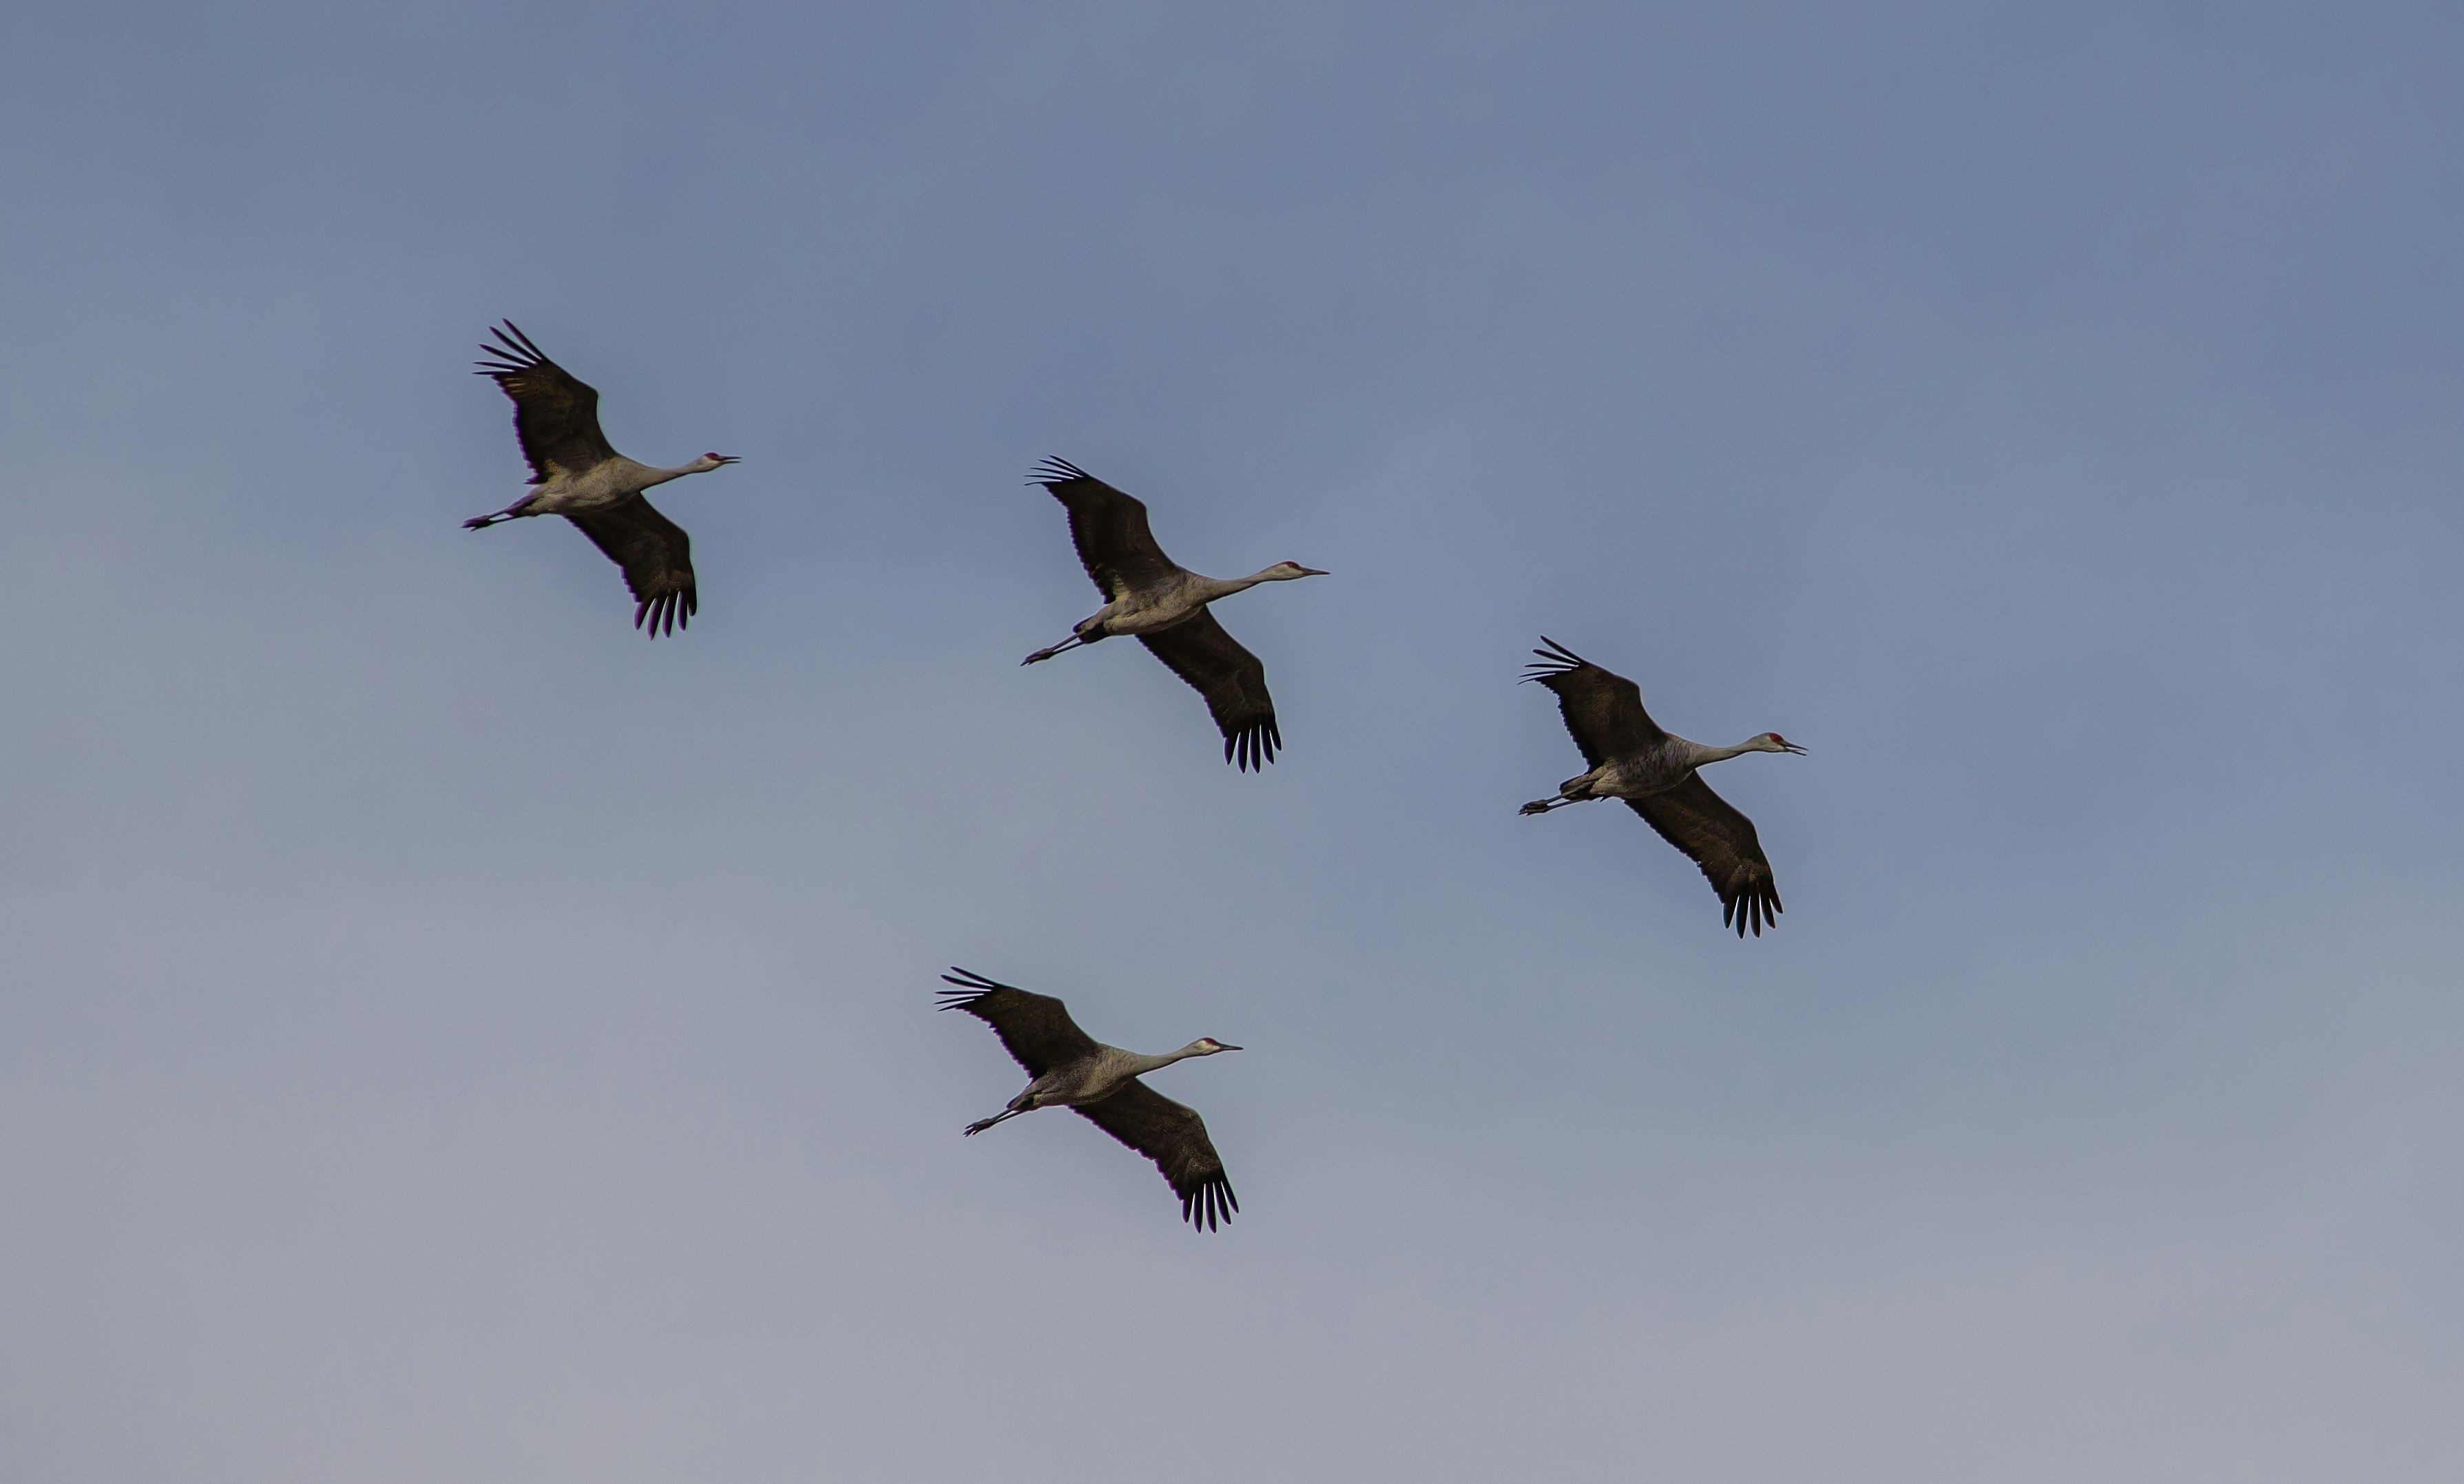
x,y
1147,594
574,473
1072,1070
1655,772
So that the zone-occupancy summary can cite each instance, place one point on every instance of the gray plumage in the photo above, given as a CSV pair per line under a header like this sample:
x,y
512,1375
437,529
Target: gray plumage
x,y
1074,1070
1147,594
574,473
1656,774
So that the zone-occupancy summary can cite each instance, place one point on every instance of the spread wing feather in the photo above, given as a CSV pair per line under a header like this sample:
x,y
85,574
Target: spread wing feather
x,y
1231,679
1174,1136
1109,528
1723,843
1036,1028
556,414
657,559
1603,711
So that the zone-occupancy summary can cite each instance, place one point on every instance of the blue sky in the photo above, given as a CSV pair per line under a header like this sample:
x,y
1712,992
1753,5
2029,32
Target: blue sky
x,y
445,1036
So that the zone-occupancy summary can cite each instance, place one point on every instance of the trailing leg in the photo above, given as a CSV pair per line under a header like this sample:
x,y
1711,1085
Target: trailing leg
x,y
1074,641
509,512
983,1124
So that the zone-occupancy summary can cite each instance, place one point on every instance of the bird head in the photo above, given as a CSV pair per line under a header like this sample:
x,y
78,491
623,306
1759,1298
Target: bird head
x,y
1286,571
1773,742
718,460
1208,1045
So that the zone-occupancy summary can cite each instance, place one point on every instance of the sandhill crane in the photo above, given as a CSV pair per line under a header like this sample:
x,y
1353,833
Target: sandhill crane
x,y
577,475
1072,1070
1653,773
1147,594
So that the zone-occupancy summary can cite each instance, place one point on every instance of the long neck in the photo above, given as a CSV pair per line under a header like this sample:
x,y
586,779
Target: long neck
x,y
1224,587
1718,754
660,476
1144,1064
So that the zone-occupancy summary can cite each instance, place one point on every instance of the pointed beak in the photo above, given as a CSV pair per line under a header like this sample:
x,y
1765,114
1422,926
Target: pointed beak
x,y
1790,747
1222,1047
1313,571
729,458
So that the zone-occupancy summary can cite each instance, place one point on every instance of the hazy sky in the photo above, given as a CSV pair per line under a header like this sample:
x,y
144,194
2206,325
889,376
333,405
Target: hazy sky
x,y
444,1035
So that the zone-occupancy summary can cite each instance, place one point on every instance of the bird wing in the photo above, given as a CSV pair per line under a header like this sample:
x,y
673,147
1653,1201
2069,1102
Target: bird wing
x,y
1232,680
1109,528
1036,1028
556,414
657,559
1603,711
1174,1137
1721,842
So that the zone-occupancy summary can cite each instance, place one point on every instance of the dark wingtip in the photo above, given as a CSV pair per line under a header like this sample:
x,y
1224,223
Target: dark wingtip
x,y
1254,746
665,613
1752,910
1209,1206
514,355
1554,660
1056,470
970,985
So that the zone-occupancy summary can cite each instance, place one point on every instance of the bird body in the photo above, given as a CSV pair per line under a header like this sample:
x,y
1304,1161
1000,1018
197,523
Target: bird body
x,y
1165,606
577,474
1172,600
603,485
1658,775
1072,1069
1094,1078
1655,770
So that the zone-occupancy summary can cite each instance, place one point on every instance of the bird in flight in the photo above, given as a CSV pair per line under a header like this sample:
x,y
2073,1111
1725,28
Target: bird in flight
x,y
574,473
1147,594
1072,1070
1655,772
